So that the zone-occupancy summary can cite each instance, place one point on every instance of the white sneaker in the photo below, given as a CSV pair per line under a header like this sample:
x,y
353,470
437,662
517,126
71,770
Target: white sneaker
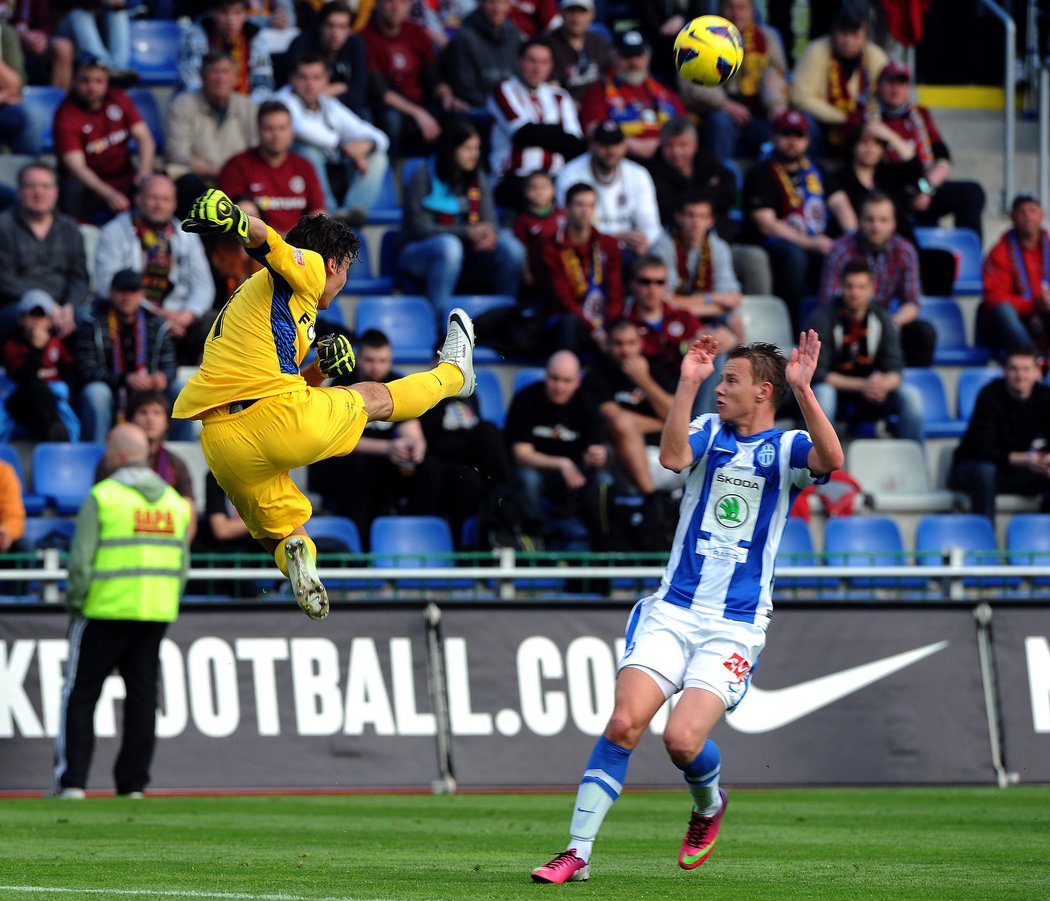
x,y
72,794
302,573
458,349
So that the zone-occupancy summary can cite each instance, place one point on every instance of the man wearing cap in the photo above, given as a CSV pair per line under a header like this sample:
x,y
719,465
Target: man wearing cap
x,y
41,248
627,207
481,54
174,268
581,56
834,80
94,127
1015,312
535,124
120,349
786,207
934,195
632,98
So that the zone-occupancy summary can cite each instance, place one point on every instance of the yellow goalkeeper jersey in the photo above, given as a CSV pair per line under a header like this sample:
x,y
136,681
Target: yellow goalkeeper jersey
x,y
261,336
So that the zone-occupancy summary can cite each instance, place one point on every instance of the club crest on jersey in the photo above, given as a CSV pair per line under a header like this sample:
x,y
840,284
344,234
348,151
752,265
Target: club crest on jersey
x,y
766,454
738,666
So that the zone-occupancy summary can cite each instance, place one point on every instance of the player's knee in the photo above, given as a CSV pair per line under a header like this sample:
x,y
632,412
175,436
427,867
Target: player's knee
x,y
681,744
623,729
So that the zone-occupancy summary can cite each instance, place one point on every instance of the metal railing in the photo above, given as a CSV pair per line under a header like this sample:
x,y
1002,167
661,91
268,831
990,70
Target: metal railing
x,y
1010,102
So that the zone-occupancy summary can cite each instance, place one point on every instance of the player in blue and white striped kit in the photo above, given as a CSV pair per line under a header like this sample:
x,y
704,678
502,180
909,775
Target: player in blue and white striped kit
x,y
702,631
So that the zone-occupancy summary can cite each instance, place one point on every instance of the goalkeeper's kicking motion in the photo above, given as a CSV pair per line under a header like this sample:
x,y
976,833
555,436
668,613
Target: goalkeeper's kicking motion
x,y
262,415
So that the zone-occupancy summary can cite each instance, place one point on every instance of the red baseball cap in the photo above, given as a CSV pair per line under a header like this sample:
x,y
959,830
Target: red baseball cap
x,y
895,71
790,120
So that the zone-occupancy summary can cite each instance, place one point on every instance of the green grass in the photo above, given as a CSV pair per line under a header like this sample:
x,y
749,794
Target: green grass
x,y
822,843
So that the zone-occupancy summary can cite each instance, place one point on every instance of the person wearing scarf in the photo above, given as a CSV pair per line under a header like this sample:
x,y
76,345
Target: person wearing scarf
x,y
934,194
1015,312
833,83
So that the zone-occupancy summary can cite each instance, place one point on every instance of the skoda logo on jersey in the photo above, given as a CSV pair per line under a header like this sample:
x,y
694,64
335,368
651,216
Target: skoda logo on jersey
x,y
766,454
732,511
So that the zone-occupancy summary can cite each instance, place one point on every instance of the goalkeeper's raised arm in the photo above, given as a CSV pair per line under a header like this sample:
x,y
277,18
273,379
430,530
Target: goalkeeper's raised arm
x,y
213,213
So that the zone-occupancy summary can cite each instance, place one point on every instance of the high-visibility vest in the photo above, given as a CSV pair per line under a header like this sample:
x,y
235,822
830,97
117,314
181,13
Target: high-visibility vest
x,y
139,560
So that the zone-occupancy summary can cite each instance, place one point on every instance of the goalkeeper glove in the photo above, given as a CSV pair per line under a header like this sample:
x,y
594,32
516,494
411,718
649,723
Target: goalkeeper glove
x,y
213,213
335,356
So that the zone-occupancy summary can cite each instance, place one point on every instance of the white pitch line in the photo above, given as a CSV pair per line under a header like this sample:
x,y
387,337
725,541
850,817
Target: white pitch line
x,y
170,893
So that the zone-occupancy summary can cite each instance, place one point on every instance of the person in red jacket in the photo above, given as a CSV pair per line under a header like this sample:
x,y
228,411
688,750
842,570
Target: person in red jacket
x,y
1015,312
582,269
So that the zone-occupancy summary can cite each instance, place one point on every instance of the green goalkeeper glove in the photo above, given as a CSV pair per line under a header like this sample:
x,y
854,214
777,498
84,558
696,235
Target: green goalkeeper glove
x,y
213,213
335,356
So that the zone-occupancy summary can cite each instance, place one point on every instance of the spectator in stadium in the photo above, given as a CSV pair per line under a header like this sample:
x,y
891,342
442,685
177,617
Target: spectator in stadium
x,y
15,133
390,470
1015,311
283,184
41,248
581,56
738,116
627,207
80,25
124,588
1006,446
633,395
39,367
120,349
226,27
699,271
935,194
173,265
480,55
206,127
348,154
834,81
334,39
12,509
632,98
278,15
48,57
556,440
536,226
441,19
894,265
786,205
659,22
450,230
534,17
868,170
581,276
535,126
859,374
222,529
94,127
404,82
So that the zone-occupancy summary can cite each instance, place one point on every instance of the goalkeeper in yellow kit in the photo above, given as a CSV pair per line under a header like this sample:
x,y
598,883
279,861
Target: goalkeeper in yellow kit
x,y
262,415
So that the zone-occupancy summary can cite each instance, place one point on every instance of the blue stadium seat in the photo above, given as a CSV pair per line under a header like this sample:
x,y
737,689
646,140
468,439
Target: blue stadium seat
x,y
869,542
526,375
408,322
939,532
952,348
408,542
387,208
33,503
600,28
63,473
338,534
332,314
146,103
1028,541
49,531
475,305
938,420
362,281
40,103
965,245
971,381
490,397
408,169
155,50
796,549
388,250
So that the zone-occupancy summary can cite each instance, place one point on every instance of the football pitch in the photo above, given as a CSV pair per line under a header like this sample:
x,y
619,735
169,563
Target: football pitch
x,y
950,843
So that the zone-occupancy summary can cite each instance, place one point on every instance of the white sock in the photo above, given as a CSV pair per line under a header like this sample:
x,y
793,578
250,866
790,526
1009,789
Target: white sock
x,y
592,804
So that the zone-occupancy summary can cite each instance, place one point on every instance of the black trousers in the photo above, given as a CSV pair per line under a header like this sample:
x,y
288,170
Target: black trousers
x,y
96,648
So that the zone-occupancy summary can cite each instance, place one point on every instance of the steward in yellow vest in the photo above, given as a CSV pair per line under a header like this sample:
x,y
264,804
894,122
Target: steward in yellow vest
x,y
127,570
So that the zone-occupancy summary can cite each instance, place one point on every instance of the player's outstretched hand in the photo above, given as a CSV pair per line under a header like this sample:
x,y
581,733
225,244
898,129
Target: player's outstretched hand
x,y
213,213
699,360
803,361
335,355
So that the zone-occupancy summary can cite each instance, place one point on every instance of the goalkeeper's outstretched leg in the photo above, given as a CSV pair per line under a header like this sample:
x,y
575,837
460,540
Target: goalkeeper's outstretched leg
x,y
262,414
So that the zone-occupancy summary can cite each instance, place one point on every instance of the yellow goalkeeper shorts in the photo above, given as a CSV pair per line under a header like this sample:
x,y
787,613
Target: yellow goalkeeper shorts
x,y
250,452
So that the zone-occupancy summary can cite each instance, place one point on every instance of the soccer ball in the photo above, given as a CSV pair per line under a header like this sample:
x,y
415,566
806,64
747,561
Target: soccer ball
x,y
708,51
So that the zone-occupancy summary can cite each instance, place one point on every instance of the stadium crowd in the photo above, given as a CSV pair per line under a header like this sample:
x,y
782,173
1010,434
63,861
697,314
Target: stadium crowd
x,y
527,151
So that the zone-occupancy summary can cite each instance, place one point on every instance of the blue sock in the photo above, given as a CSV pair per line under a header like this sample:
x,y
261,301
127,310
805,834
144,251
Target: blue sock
x,y
601,784
701,775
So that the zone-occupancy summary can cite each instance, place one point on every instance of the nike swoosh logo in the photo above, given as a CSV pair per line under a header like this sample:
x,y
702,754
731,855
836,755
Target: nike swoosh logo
x,y
703,852
764,711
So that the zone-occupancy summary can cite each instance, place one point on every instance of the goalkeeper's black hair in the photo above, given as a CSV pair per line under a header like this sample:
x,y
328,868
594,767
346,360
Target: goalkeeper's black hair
x,y
331,238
